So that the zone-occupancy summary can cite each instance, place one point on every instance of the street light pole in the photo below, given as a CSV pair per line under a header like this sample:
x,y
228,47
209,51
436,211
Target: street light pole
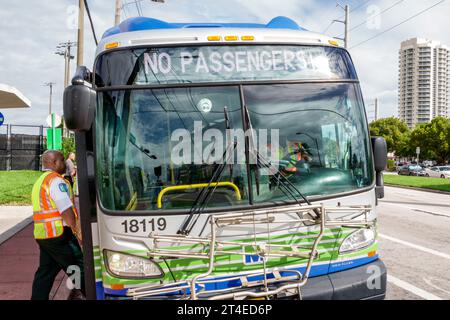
x,y
346,23
51,97
50,84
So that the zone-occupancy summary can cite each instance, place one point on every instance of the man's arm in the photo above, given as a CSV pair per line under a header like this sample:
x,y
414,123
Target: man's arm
x,y
59,191
69,218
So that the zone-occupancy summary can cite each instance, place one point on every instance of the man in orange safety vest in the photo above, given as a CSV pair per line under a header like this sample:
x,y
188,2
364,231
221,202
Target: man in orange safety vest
x,y
56,227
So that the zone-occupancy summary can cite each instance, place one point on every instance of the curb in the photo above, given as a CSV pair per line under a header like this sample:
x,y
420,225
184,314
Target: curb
x,y
8,234
417,189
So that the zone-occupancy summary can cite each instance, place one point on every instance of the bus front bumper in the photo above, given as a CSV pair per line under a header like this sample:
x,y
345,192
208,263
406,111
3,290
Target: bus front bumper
x,y
367,282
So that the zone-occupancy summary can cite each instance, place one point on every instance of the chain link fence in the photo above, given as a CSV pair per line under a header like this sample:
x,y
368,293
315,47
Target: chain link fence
x,y
21,147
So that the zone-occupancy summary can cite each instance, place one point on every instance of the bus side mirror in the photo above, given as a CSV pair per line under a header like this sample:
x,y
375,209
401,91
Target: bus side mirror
x,y
79,102
379,148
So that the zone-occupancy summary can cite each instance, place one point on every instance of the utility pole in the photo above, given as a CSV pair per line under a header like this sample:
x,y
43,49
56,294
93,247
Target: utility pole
x,y
50,84
346,23
80,51
118,12
65,49
376,109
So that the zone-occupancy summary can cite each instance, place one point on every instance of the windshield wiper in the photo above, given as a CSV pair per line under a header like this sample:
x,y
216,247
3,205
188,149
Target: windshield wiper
x,y
228,134
288,188
206,193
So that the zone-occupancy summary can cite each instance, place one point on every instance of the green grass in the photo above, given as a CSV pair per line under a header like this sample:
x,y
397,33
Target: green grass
x,y
418,182
15,187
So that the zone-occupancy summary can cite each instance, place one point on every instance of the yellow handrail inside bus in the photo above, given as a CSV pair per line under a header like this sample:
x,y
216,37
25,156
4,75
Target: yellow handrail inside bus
x,y
198,186
133,203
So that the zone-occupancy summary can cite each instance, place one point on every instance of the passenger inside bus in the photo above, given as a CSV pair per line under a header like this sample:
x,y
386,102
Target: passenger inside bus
x,y
296,159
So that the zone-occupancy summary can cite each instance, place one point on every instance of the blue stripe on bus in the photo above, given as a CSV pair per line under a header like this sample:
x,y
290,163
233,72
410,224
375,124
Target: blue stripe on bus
x,y
100,290
316,271
143,23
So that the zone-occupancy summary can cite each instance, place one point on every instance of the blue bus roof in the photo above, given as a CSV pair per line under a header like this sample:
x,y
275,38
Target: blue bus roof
x,y
143,23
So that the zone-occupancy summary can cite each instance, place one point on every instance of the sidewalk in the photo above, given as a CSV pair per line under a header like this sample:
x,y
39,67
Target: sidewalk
x,y
19,257
12,220
416,189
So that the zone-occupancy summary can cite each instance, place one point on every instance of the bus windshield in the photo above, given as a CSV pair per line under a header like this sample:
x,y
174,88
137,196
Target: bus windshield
x,y
158,147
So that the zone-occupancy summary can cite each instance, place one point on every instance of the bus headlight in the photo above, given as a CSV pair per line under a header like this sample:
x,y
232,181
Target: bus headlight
x,y
358,240
133,267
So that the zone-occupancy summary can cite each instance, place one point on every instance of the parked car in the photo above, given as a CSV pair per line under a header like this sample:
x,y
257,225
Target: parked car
x,y
400,165
438,172
429,163
412,170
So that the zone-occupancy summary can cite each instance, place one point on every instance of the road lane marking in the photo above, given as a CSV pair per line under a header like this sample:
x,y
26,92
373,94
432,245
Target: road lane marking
x,y
432,213
411,288
431,284
415,209
415,246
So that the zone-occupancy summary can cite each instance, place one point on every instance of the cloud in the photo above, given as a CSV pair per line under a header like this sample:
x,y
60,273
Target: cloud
x,y
30,31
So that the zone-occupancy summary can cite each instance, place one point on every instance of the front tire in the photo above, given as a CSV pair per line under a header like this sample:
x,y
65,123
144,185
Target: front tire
x,y
442,177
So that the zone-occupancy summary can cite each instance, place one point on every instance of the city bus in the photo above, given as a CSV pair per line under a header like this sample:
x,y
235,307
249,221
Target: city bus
x,y
225,161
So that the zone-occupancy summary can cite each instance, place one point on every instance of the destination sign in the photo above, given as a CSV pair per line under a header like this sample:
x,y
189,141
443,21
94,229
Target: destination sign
x,y
200,64
208,61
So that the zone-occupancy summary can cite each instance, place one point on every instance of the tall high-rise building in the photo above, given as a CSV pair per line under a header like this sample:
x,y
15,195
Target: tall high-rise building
x,y
423,81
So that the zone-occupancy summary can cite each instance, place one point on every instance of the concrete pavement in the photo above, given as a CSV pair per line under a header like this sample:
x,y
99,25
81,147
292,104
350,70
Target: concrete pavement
x,y
19,256
13,219
414,231
18,263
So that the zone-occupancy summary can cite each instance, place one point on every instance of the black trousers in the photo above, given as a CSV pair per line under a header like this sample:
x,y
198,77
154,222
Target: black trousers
x,y
56,255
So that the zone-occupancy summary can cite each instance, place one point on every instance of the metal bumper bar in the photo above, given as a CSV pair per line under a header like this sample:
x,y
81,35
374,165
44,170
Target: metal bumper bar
x,y
209,247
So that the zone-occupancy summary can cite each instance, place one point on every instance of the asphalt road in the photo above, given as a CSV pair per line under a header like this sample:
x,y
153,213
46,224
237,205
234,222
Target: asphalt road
x,y
414,229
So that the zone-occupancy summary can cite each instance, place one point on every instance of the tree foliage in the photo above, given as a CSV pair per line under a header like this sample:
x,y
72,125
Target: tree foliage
x,y
393,130
405,148
433,138
68,146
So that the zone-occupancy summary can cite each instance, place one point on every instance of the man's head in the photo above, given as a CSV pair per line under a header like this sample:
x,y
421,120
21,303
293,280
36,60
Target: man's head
x,y
54,160
71,156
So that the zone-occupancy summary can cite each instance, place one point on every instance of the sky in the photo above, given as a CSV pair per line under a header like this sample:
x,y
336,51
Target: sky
x,y
30,31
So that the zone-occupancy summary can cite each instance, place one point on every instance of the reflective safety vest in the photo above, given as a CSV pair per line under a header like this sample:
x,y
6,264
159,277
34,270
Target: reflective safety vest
x,y
294,157
48,221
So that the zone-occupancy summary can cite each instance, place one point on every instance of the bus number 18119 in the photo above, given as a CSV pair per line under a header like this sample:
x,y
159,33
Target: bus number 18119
x,y
135,226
